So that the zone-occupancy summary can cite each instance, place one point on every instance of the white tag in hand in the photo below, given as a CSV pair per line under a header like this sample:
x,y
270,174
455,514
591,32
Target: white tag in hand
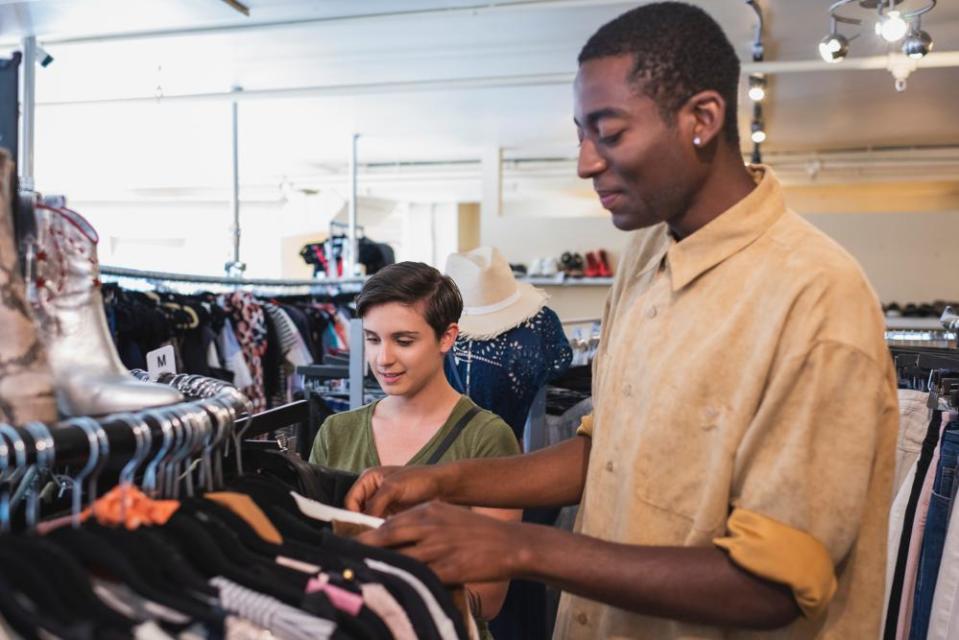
x,y
162,360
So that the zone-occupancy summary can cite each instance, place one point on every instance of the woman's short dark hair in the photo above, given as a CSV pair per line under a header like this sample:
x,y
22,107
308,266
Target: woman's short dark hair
x,y
410,283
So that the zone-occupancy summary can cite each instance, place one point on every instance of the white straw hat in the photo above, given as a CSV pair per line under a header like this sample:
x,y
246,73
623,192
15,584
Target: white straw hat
x,y
493,301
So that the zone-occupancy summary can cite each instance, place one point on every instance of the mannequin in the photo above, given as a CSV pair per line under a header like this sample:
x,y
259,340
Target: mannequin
x,y
510,345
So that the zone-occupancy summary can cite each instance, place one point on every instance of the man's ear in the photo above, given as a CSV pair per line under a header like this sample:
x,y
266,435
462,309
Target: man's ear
x,y
449,337
702,117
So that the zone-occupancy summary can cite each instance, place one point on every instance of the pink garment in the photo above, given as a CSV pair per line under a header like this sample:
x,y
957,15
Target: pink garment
x,y
915,546
380,602
341,598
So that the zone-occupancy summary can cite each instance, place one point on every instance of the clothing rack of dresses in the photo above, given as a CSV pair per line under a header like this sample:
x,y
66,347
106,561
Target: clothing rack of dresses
x,y
280,289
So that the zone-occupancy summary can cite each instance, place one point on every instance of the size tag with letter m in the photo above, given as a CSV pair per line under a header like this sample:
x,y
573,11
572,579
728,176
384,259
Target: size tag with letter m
x,y
162,360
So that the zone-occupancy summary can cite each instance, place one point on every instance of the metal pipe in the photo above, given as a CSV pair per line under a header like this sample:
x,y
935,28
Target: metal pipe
x,y
442,84
29,112
352,252
357,363
163,276
235,266
469,10
933,60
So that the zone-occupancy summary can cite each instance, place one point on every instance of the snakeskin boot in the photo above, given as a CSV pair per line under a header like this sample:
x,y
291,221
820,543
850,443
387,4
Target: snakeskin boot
x,y
90,378
26,382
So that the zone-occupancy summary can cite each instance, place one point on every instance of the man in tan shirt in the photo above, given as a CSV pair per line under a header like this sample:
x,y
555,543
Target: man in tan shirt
x,y
735,477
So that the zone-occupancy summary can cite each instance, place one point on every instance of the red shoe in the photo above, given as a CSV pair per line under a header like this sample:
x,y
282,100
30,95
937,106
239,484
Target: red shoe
x,y
605,271
592,266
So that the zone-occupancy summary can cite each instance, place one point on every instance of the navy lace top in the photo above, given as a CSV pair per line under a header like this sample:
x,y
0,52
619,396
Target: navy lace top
x,y
504,374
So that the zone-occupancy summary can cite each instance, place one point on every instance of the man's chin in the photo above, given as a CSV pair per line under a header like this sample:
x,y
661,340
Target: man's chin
x,y
631,222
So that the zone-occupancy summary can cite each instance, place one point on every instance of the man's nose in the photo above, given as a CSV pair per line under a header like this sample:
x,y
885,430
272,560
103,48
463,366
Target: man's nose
x,y
590,162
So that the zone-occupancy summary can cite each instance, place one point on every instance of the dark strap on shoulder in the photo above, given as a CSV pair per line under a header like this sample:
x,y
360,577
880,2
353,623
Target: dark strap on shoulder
x,y
453,435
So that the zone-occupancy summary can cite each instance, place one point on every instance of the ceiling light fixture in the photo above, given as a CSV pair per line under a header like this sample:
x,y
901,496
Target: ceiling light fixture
x,y
918,43
834,47
894,25
757,87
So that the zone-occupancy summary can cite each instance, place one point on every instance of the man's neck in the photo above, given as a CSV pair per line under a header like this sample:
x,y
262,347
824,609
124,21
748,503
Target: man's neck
x,y
726,184
437,396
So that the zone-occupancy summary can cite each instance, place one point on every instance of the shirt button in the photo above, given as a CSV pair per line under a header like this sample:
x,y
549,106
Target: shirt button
x,y
651,313
581,618
610,466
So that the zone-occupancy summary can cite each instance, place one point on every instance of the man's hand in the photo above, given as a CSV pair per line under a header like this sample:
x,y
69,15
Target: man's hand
x,y
457,544
384,491
695,584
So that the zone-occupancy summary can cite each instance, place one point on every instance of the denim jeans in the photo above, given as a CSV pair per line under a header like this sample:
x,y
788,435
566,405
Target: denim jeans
x,y
934,534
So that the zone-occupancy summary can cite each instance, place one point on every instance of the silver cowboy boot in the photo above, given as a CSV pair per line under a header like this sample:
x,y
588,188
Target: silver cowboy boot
x,y
90,378
26,382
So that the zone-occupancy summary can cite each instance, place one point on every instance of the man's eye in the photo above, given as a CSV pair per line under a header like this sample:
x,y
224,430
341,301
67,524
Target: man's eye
x,y
612,138
372,340
404,343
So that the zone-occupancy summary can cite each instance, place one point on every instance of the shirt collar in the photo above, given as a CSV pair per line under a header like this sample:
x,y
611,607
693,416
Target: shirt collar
x,y
730,232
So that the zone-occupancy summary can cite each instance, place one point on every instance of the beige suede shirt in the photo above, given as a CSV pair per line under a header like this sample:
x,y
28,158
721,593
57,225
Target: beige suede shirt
x,y
744,398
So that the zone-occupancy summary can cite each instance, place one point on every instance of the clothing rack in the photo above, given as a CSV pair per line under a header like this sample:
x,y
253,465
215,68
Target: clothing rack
x,y
355,370
926,357
161,276
71,443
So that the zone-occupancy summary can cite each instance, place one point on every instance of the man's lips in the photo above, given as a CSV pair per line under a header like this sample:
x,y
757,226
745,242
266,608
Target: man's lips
x,y
391,377
609,198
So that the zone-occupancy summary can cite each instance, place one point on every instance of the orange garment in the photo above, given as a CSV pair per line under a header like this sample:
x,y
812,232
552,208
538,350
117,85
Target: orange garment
x,y
131,508
244,507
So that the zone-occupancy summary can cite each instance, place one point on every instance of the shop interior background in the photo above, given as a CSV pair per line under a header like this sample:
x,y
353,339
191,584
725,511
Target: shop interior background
x,y
457,103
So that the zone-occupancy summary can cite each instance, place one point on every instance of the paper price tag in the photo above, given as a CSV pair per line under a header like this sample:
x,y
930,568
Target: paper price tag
x,y
162,360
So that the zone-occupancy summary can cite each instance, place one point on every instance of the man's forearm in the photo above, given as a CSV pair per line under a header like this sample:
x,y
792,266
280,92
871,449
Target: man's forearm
x,y
699,585
551,477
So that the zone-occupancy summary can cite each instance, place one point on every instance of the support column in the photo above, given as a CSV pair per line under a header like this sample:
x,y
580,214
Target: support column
x,y
29,112
491,204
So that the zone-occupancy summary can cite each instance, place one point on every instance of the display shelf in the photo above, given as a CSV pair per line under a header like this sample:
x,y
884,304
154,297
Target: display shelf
x,y
561,280
917,324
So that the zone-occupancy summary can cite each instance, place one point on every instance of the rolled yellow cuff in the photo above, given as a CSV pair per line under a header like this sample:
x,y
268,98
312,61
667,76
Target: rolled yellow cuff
x,y
585,426
777,552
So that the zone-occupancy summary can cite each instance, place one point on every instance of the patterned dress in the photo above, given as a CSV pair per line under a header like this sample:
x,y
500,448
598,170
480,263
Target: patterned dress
x,y
505,373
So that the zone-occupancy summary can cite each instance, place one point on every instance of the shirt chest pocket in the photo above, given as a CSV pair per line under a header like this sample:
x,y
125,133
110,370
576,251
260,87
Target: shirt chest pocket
x,y
684,463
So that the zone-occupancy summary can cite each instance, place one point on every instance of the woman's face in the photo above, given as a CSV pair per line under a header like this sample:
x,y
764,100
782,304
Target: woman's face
x,y
402,348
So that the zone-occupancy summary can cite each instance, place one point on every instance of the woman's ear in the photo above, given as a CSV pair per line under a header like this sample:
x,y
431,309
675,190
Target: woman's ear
x,y
448,339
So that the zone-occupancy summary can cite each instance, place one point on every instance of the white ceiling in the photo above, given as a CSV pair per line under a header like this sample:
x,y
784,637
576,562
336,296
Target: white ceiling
x,y
320,43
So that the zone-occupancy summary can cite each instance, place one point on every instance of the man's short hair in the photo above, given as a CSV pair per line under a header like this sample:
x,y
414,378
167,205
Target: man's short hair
x,y
678,51
411,283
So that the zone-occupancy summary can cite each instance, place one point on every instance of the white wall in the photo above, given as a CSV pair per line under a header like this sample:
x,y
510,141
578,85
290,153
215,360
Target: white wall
x,y
908,257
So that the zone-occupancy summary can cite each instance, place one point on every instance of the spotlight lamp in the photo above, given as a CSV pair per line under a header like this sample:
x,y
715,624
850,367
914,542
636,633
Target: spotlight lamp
x,y
757,87
894,25
758,134
834,47
917,44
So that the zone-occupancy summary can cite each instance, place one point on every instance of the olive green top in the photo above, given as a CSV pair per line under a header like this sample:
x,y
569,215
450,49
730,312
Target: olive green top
x,y
345,440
